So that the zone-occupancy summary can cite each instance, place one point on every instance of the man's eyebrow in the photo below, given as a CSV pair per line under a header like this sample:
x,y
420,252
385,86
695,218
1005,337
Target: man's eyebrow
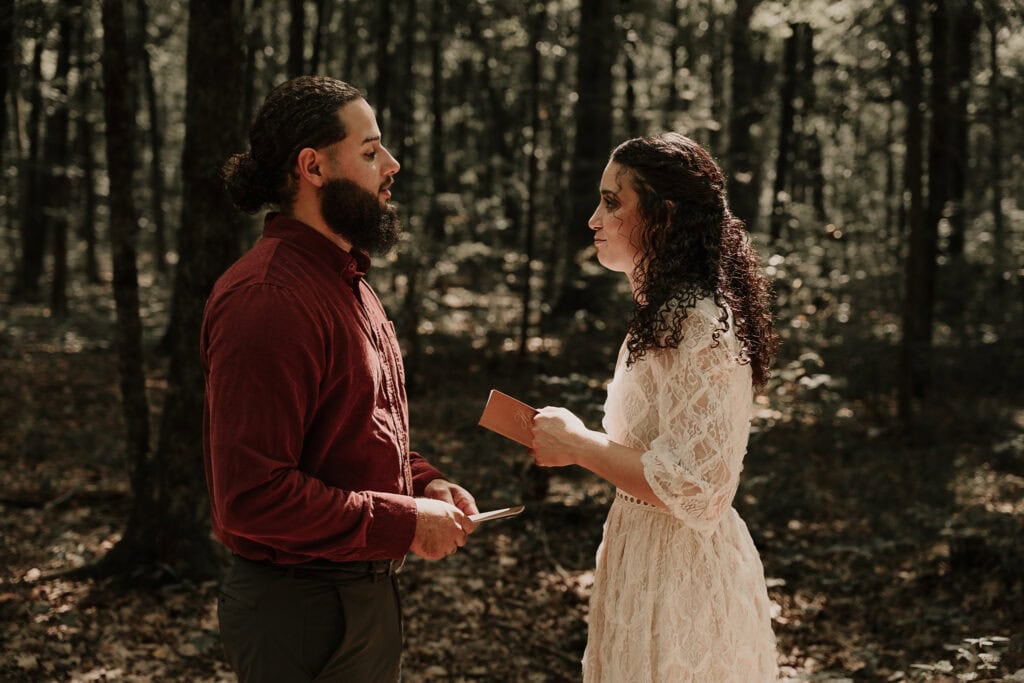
x,y
371,138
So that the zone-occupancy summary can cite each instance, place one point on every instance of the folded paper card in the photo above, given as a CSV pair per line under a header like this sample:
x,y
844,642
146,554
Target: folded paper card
x,y
511,418
497,514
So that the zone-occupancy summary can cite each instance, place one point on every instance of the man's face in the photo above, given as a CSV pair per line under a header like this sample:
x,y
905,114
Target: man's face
x,y
358,171
361,157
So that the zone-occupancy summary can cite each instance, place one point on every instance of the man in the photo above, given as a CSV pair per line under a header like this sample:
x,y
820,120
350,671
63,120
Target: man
x,y
312,484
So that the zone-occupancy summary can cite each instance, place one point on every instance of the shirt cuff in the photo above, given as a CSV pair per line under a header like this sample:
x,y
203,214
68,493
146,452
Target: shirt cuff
x,y
393,526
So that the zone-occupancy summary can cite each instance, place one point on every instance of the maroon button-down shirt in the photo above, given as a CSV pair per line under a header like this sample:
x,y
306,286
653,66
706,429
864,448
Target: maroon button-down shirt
x,y
306,430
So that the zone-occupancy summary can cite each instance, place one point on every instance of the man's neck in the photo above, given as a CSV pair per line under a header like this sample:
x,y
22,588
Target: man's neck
x,y
315,221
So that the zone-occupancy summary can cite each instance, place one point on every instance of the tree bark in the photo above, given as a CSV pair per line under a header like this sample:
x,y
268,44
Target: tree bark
x,y
532,171
57,161
716,77
156,143
939,135
382,88
920,262
435,215
137,546
323,19
787,115
297,39
742,171
6,62
84,148
967,23
403,113
208,240
596,53
996,156
33,223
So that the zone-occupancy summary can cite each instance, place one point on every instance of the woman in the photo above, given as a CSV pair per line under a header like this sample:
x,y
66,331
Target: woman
x,y
679,592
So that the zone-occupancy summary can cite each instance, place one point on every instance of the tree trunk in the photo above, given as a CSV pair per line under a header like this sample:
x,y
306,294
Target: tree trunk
x,y
254,43
809,131
631,119
348,29
786,117
920,265
672,103
404,110
6,62
939,135
137,546
382,88
297,39
717,77
532,171
33,222
743,174
57,161
967,23
156,143
323,20
84,148
209,236
435,216
596,54
996,156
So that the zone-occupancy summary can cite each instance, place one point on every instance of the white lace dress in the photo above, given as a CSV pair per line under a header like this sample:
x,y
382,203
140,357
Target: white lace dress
x,y
680,595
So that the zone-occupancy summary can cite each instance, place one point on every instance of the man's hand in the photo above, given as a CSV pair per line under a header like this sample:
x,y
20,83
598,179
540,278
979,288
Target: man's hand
x,y
442,489
441,528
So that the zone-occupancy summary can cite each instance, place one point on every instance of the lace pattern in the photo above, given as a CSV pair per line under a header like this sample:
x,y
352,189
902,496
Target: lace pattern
x,y
680,595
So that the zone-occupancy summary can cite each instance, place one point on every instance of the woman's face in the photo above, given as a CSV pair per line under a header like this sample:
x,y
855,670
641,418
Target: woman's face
x,y
616,221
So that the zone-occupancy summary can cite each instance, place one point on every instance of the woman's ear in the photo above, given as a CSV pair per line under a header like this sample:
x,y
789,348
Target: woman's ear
x,y
670,208
307,164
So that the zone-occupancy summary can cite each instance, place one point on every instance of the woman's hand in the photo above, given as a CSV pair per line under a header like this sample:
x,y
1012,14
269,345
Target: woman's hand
x,y
560,438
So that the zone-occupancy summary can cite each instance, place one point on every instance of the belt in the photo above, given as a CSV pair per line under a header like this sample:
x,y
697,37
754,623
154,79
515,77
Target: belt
x,y
326,570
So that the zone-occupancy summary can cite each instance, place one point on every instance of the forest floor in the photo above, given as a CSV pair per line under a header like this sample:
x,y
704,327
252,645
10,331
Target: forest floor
x,y
886,560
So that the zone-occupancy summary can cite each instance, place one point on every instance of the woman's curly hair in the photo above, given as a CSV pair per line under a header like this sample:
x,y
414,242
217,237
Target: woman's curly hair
x,y
691,247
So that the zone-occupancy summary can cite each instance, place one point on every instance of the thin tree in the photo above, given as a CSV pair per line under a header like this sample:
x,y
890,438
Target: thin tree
x,y
918,270
323,21
435,216
297,38
208,239
120,147
382,86
532,171
57,161
596,53
156,140
84,145
6,60
787,115
996,153
967,21
742,173
32,230
939,134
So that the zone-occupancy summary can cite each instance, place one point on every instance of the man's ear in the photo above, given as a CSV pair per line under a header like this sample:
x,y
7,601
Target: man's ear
x,y
307,164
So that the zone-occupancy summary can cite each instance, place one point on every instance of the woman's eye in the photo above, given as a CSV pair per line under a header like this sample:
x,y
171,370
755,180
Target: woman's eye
x,y
609,204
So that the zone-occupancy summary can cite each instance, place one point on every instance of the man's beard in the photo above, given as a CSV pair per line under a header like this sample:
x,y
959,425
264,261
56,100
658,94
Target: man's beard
x,y
358,216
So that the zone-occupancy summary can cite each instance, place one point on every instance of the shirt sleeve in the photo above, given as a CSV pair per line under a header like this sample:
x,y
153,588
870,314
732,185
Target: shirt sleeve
x,y
422,472
703,399
264,350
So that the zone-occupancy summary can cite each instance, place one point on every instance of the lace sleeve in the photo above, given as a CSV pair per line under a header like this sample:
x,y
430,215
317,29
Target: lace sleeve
x,y
703,397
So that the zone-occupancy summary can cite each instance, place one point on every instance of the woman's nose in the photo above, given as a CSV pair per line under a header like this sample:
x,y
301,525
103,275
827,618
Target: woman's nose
x,y
595,220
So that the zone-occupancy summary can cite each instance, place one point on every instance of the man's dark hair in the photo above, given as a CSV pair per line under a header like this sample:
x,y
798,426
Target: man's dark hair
x,y
299,113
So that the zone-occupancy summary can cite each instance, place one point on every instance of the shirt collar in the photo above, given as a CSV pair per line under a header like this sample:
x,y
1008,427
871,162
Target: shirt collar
x,y
350,265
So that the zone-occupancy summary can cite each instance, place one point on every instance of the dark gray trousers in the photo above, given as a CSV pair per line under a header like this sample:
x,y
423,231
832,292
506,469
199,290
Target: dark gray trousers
x,y
310,623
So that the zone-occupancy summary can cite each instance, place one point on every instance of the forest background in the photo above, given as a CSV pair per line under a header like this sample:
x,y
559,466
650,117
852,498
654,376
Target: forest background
x,y
870,146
